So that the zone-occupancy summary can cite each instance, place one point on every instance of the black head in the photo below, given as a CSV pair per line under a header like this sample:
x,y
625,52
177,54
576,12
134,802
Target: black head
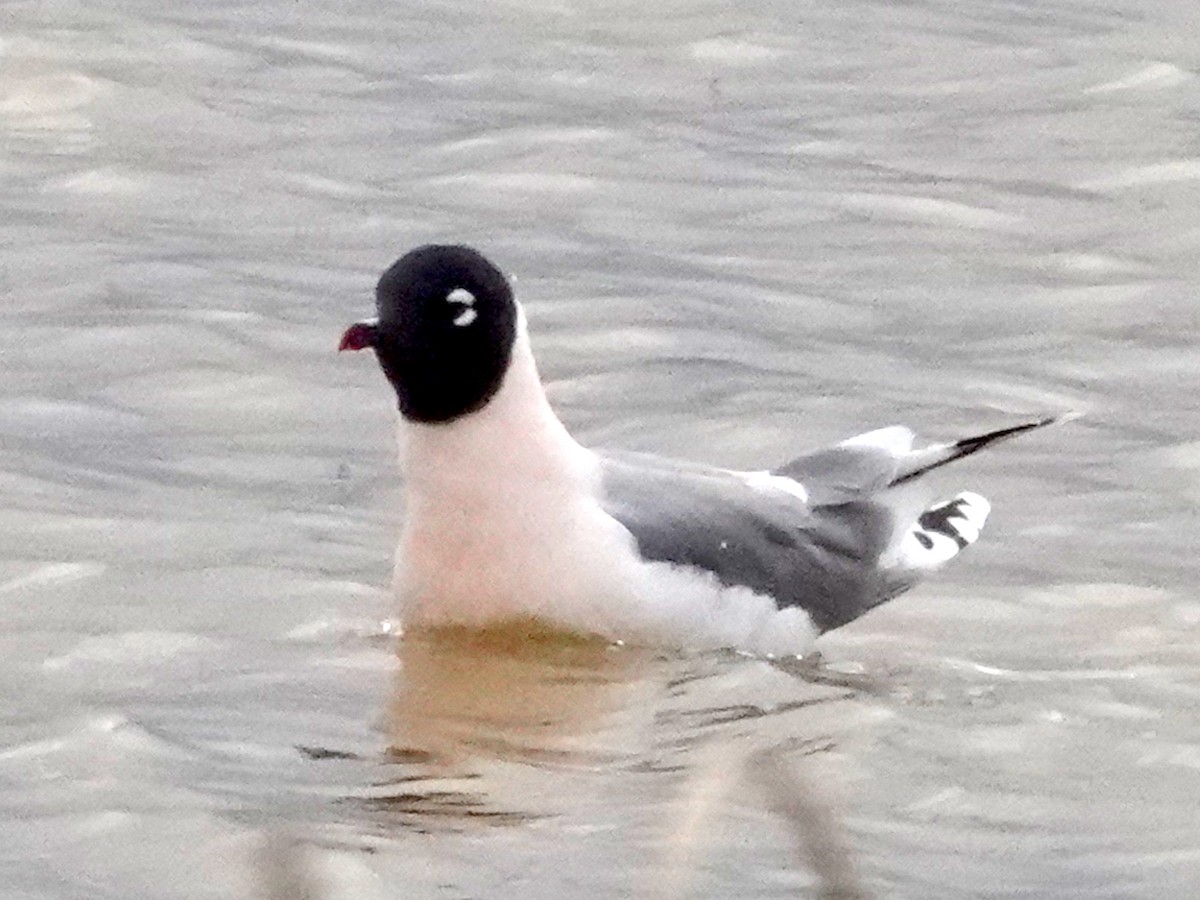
x,y
447,321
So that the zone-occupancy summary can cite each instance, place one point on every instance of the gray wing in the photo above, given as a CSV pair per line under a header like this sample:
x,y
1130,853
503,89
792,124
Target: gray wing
x,y
822,555
844,473
823,558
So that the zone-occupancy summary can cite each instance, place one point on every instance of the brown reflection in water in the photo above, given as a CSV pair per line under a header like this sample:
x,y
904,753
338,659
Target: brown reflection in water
x,y
509,724
513,724
516,693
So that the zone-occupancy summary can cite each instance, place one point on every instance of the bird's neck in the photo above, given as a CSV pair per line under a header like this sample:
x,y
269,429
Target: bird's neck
x,y
514,440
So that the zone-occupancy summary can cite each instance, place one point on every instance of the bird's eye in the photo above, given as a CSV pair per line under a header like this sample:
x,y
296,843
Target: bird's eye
x,y
465,301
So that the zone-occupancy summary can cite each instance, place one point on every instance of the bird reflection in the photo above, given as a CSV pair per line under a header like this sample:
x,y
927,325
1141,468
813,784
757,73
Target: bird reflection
x,y
505,726
517,693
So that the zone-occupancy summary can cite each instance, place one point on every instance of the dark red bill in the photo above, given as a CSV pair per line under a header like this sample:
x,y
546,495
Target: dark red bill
x,y
358,336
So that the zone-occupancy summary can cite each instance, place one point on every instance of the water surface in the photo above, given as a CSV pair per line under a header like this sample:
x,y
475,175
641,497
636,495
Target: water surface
x,y
739,233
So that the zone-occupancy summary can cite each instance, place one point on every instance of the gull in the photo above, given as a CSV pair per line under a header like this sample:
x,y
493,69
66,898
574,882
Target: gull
x,y
509,519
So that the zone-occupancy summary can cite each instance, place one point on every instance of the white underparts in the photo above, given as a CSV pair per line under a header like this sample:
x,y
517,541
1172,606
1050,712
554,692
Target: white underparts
x,y
501,517
503,521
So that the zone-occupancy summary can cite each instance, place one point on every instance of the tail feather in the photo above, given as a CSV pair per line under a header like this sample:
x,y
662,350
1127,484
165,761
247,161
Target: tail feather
x,y
940,533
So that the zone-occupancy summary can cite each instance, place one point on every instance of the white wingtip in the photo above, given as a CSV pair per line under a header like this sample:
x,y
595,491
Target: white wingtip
x,y
942,531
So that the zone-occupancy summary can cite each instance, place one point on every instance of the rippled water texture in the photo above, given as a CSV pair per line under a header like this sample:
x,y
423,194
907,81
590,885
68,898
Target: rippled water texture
x,y
740,230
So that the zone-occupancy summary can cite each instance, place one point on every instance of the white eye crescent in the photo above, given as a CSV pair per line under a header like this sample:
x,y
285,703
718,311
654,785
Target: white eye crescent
x,y
464,298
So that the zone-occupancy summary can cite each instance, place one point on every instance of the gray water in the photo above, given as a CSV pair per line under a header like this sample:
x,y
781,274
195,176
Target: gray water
x,y
740,231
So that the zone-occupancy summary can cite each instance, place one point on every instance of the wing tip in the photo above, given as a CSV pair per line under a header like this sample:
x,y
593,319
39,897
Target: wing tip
x,y
935,457
1056,419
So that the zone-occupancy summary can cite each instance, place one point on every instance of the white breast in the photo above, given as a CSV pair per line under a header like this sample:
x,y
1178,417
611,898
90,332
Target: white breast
x,y
504,520
502,514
